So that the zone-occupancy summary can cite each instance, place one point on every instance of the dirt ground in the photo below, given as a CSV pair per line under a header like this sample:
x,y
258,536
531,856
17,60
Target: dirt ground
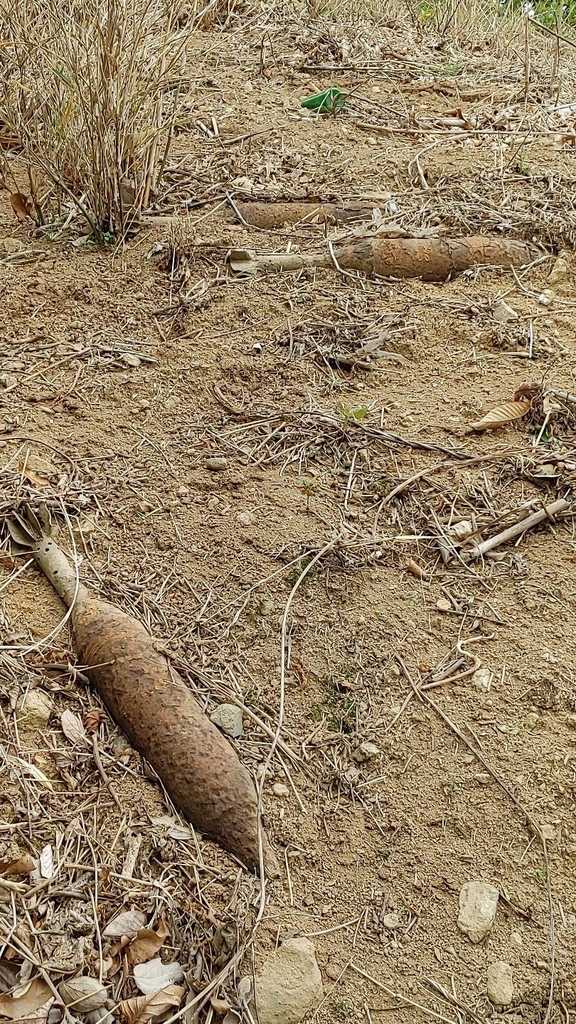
x,y
123,375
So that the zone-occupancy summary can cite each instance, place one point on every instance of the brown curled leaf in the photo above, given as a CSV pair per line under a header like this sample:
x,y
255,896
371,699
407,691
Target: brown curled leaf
x,y
501,415
26,1001
146,944
21,205
142,1009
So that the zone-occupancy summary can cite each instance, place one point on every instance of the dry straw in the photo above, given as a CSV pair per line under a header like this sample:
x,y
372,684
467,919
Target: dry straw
x,y
91,89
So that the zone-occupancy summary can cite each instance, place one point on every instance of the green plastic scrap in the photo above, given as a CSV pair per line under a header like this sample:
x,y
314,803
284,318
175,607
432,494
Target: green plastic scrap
x,y
330,101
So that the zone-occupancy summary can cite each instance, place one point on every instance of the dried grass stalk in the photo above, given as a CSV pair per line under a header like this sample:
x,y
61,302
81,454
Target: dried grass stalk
x,y
90,89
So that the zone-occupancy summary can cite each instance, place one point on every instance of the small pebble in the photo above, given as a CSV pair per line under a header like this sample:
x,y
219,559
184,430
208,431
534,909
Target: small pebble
x,y
229,718
308,900
130,359
443,604
503,312
478,903
391,921
34,710
366,751
545,297
559,271
216,464
279,789
482,679
500,983
11,245
516,938
531,720
333,971
246,518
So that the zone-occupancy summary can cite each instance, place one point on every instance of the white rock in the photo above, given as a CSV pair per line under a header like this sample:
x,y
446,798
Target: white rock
x,y
279,789
503,312
545,297
34,710
478,903
482,679
391,921
289,985
229,718
366,751
500,983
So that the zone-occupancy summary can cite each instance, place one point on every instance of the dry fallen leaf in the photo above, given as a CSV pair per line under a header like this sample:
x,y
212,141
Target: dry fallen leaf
x,y
155,976
83,994
26,1000
146,944
21,205
73,728
8,976
92,719
129,923
142,1009
502,415
37,480
46,862
23,866
415,568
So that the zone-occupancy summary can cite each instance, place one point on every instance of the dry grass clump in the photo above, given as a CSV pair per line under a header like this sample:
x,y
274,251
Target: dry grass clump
x,y
90,90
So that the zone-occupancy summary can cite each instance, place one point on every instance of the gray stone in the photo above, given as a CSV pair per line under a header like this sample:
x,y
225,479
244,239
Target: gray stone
x,y
217,464
482,679
366,751
229,718
34,710
500,983
131,359
289,984
11,245
502,312
478,904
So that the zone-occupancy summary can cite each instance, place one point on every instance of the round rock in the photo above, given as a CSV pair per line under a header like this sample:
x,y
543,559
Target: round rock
x,y
500,983
34,710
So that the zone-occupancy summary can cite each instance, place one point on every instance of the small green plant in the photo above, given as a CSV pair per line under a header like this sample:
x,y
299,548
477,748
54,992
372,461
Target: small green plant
x,y
339,708
294,575
449,69
308,486
350,413
542,874
343,1010
426,11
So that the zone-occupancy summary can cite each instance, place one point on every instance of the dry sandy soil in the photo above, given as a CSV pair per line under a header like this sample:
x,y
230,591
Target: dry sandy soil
x,y
123,374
